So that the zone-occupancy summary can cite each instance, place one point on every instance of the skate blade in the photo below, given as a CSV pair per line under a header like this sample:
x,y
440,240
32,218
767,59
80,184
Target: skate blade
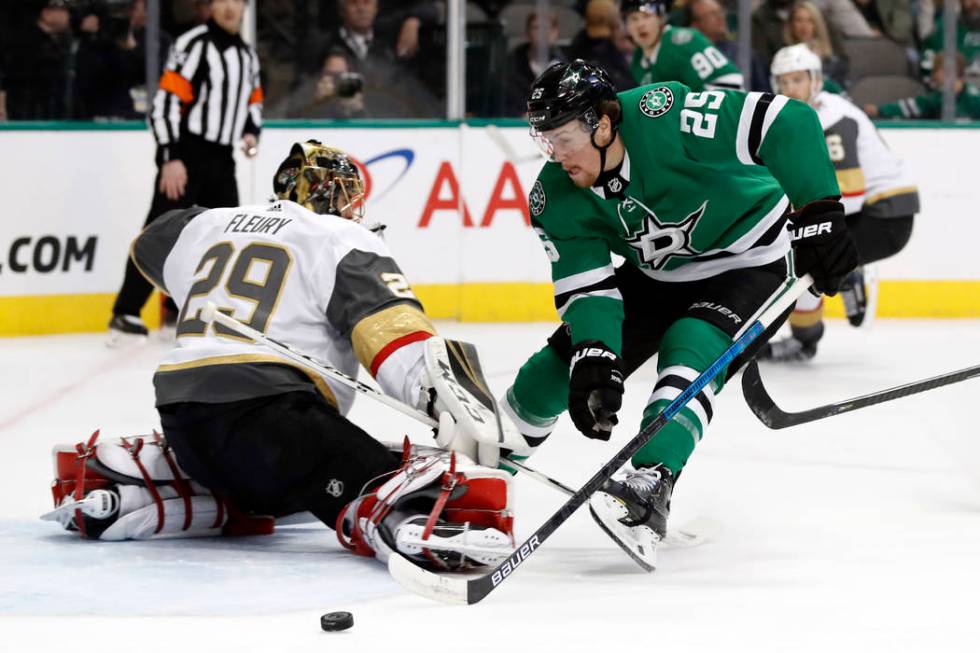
x,y
639,542
120,340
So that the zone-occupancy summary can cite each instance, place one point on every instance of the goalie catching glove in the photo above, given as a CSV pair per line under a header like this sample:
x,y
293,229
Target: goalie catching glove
x,y
439,510
455,392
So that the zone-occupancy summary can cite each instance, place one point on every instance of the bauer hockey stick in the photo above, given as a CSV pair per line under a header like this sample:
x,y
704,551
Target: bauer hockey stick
x,y
464,591
762,405
211,313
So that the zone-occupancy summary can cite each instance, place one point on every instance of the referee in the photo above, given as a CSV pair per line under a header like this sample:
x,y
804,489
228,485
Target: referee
x,y
209,99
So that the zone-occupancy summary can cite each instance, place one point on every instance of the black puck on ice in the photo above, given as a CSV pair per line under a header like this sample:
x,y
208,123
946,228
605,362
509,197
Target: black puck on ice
x,y
336,621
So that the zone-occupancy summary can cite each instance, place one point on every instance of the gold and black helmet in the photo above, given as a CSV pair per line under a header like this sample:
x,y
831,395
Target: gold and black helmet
x,y
322,179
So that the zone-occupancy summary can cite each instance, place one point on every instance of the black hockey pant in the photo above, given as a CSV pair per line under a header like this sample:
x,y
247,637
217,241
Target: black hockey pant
x,y
276,455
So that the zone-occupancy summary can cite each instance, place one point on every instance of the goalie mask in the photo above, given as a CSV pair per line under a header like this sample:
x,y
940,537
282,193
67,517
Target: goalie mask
x,y
322,179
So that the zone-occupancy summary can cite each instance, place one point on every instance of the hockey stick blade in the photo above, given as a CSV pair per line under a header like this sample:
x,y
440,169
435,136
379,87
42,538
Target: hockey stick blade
x,y
761,403
469,591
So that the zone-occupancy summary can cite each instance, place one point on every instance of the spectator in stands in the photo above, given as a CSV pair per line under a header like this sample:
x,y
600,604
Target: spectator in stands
x,y
383,53
888,18
37,65
523,65
336,93
806,25
708,17
110,62
967,40
930,105
768,28
595,43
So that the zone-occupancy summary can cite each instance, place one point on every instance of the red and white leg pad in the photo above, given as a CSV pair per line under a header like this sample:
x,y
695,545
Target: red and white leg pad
x,y
132,489
439,509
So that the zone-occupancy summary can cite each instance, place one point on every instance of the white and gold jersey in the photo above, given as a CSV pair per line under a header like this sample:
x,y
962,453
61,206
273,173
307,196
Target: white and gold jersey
x,y
871,178
326,286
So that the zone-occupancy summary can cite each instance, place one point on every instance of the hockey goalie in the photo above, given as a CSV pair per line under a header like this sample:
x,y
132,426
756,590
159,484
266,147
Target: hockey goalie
x,y
249,435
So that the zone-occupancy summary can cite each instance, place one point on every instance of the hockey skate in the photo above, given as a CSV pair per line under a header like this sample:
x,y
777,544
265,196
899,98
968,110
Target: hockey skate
x,y
125,329
787,350
633,509
857,298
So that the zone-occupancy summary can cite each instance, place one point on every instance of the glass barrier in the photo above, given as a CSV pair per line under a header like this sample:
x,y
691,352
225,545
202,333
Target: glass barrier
x,y
330,59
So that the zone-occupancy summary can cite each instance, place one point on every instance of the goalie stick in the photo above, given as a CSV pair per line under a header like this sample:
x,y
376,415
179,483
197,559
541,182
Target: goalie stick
x,y
763,406
465,591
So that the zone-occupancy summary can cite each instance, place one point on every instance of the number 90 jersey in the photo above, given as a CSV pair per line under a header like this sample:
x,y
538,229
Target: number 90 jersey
x,y
324,285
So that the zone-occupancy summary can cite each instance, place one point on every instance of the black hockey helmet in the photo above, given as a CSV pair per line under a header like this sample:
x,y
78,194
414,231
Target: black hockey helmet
x,y
321,178
566,91
655,7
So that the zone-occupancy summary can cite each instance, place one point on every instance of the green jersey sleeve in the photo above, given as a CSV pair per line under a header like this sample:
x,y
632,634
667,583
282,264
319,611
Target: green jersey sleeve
x,y
760,129
587,296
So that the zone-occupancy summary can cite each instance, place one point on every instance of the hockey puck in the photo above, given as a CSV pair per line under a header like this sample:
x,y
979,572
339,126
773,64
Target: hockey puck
x,y
333,621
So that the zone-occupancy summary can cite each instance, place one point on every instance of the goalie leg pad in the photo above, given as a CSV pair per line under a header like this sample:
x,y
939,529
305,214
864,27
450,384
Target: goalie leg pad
x,y
133,488
439,509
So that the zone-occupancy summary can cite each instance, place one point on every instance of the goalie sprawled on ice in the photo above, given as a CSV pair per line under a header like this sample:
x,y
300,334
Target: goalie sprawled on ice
x,y
247,432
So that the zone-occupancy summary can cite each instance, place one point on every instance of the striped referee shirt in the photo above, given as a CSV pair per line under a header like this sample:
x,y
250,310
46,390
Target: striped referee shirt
x,y
210,88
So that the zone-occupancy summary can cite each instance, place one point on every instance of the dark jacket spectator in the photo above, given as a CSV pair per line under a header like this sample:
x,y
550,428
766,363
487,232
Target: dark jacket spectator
x,y
38,61
595,43
889,18
384,57
523,66
708,17
768,23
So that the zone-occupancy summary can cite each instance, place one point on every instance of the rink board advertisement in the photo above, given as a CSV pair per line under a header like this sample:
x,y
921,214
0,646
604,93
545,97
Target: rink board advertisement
x,y
453,197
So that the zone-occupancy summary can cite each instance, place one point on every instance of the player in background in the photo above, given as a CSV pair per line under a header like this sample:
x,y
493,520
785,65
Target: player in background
x,y
693,190
667,53
271,437
880,200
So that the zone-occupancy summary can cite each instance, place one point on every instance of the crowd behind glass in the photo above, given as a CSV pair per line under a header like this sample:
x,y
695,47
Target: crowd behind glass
x,y
328,59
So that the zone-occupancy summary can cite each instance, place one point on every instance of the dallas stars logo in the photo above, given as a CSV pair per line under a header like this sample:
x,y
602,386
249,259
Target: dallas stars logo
x,y
657,242
656,102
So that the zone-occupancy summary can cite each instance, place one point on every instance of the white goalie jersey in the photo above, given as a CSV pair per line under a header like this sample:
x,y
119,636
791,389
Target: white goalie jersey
x,y
327,286
871,178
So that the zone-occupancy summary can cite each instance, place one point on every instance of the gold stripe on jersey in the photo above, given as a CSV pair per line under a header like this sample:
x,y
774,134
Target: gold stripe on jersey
x,y
378,330
892,192
851,181
803,319
239,359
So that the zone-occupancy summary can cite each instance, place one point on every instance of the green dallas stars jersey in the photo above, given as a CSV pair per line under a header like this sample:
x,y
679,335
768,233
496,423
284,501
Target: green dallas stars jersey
x,y
685,55
707,178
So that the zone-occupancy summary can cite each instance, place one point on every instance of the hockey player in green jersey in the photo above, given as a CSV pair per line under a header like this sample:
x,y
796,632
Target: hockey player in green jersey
x,y
693,190
665,53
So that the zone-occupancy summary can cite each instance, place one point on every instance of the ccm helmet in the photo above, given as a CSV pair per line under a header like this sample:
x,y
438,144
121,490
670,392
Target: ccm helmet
x,y
797,58
321,178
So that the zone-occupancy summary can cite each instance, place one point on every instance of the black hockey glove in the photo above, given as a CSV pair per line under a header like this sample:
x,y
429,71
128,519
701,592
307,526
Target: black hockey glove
x,y
823,247
595,390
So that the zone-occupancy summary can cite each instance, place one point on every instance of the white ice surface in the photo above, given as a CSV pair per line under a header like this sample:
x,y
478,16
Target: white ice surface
x,y
857,533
